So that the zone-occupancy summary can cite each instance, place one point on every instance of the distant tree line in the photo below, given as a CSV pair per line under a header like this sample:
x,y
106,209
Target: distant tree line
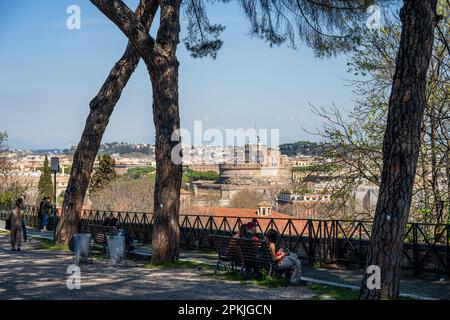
x,y
305,148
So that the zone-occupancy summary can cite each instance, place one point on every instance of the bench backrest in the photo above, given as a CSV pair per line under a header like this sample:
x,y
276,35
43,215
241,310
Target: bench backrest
x,y
227,248
100,233
246,251
255,253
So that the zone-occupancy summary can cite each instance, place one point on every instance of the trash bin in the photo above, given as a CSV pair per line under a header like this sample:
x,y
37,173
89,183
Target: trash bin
x,y
116,247
82,245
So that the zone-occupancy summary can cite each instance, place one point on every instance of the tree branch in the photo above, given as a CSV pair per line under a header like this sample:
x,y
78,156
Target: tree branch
x,y
122,16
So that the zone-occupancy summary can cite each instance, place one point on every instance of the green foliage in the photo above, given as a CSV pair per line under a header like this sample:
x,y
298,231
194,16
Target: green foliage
x,y
323,168
45,244
67,169
4,163
10,194
306,148
6,198
45,186
181,264
189,175
210,175
123,148
140,172
324,292
265,280
104,173
3,140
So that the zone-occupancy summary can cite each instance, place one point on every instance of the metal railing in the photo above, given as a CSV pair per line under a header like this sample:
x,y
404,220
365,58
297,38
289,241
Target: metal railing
x,y
426,248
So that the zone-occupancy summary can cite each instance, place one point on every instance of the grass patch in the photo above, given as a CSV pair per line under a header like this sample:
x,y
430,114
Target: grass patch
x,y
181,264
264,281
45,244
3,233
207,251
324,292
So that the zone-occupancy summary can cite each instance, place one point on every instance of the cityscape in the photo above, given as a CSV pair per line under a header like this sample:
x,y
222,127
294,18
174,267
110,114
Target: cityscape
x,y
289,181
224,159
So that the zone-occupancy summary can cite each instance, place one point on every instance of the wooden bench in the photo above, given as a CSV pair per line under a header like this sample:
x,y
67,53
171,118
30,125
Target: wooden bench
x,y
249,254
256,255
228,251
99,235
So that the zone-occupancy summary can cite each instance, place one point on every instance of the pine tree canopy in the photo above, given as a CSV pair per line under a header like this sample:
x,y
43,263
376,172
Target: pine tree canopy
x,y
103,174
45,186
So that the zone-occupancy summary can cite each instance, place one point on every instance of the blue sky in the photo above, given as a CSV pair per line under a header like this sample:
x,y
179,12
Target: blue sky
x,y
48,75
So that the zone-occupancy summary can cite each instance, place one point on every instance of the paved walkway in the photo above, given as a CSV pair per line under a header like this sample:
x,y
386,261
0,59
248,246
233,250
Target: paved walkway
x,y
332,276
41,274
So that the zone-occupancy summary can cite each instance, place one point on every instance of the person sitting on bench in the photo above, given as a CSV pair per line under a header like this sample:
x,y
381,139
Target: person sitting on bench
x,y
251,231
242,233
286,261
107,222
272,239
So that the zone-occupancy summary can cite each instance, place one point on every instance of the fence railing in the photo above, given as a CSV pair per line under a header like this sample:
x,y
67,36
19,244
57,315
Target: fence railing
x,y
426,247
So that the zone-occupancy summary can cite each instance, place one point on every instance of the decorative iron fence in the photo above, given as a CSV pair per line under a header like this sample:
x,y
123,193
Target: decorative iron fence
x,y
426,248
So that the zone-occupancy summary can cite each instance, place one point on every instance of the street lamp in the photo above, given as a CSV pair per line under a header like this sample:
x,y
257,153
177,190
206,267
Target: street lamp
x,y
55,168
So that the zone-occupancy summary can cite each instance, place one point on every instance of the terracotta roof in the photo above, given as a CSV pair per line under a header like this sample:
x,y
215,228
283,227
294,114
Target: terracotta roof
x,y
231,218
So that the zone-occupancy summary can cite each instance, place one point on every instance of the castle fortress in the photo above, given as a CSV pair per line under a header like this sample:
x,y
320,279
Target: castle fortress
x,y
255,167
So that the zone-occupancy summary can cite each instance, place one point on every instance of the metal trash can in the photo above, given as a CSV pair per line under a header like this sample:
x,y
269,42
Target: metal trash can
x,y
116,247
82,246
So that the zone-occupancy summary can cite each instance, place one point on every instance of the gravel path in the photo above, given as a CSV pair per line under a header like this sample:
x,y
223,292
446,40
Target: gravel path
x,y
41,274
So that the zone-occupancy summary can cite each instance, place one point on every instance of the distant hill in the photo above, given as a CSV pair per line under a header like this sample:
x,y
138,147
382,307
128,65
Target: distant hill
x,y
306,148
125,148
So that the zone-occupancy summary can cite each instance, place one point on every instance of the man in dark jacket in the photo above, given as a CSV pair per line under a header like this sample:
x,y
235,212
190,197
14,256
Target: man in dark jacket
x,y
41,206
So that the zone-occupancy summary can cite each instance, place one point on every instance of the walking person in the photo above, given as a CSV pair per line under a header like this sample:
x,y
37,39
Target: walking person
x,y
16,217
46,213
40,212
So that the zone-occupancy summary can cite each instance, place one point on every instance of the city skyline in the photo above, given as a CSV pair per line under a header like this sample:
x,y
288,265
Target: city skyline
x,y
60,72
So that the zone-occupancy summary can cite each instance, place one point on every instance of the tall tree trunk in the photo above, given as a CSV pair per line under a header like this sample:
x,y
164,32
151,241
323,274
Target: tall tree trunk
x,y
166,231
401,146
101,107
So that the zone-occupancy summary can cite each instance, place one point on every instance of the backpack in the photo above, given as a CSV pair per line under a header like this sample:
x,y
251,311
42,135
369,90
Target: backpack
x,y
293,263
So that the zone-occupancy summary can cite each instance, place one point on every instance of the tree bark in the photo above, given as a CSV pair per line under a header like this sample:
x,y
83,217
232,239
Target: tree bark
x,y
160,57
401,146
166,231
101,108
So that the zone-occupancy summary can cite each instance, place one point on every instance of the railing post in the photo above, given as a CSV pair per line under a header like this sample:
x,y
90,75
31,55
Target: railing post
x,y
448,249
415,250
311,254
361,259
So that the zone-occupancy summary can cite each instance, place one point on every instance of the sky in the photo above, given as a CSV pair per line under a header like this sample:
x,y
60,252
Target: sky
x,y
49,74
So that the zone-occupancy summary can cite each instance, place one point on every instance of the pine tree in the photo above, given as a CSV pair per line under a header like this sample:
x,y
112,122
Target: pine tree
x,y
103,174
45,186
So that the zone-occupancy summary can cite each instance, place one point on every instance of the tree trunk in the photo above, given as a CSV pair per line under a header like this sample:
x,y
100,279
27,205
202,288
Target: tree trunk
x,y
101,107
166,228
401,146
